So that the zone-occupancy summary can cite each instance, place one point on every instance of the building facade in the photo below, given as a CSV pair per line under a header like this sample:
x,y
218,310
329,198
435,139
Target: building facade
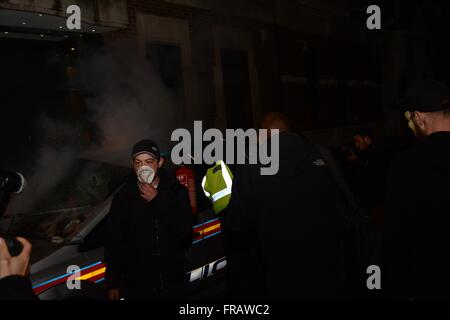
x,y
229,62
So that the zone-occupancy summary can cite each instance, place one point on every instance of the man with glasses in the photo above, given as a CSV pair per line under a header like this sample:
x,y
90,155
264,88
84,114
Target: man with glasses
x,y
417,219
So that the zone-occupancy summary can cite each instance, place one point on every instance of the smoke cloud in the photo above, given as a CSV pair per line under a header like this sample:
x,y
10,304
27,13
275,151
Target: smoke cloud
x,y
127,103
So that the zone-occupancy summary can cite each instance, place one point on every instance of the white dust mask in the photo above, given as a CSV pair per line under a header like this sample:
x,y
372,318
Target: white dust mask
x,y
146,174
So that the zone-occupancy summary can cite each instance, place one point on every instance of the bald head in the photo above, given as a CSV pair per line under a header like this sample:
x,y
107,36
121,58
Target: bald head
x,y
275,120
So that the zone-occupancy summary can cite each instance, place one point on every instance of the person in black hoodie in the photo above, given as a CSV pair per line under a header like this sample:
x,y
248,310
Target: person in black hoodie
x,y
150,228
294,217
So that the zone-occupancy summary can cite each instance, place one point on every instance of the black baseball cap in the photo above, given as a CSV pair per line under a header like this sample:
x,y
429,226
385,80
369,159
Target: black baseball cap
x,y
146,146
427,96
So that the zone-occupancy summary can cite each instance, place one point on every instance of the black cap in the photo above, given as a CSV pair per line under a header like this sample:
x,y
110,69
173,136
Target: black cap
x,y
146,146
427,96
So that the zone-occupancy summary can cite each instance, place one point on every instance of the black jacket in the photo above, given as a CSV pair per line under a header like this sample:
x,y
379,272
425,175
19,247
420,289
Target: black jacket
x,y
368,176
295,218
16,288
147,240
417,221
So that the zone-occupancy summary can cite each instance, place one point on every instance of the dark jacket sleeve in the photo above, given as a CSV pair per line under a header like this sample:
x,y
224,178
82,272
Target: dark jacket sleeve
x,y
237,216
16,288
114,244
178,218
397,231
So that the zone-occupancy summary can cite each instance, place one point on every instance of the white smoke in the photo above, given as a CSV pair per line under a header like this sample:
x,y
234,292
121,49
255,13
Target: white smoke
x,y
128,103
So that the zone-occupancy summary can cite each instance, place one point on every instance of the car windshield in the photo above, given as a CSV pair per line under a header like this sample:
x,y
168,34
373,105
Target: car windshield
x,y
66,205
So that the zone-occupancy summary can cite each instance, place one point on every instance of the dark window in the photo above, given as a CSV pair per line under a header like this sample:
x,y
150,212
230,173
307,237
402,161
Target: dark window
x,y
166,59
236,86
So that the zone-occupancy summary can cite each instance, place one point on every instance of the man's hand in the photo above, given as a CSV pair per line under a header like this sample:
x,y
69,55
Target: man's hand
x,y
113,294
148,192
19,265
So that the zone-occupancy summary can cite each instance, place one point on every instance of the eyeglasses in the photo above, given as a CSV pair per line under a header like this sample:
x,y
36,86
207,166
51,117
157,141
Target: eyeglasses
x,y
409,115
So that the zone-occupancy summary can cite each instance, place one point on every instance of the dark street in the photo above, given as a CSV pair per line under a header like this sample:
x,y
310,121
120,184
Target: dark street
x,y
232,152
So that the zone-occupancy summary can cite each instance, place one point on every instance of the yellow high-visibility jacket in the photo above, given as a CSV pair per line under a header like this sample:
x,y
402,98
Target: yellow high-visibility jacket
x,y
217,185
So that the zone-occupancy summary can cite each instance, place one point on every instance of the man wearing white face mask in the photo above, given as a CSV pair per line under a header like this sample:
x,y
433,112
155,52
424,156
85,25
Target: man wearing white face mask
x,y
417,218
150,227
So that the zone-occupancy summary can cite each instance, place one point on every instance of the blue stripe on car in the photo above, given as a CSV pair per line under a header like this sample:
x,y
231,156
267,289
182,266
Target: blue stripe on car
x,y
65,275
